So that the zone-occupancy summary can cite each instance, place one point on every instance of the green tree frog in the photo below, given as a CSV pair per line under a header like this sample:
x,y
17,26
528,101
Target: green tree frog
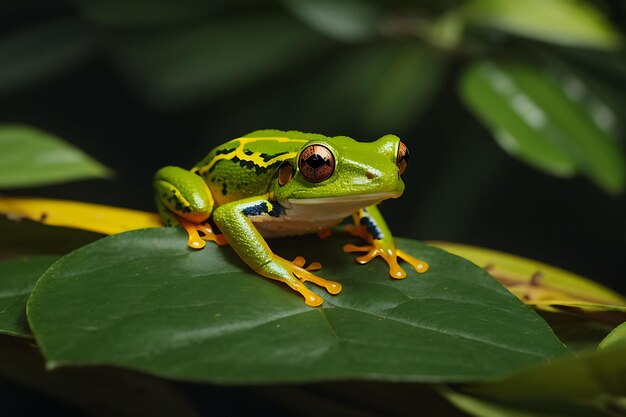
x,y
273,183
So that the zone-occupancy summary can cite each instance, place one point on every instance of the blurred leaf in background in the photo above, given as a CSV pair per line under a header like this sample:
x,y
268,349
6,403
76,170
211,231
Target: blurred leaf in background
x,y
31,157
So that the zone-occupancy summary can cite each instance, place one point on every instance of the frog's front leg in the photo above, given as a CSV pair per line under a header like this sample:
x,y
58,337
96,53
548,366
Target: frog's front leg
x,y
233,220
183,198
370,226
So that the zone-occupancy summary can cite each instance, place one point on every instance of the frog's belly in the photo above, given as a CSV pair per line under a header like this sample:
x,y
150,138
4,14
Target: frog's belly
x,y
300,217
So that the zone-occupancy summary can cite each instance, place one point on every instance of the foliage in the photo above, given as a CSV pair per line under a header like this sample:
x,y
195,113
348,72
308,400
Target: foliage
x,y
544,79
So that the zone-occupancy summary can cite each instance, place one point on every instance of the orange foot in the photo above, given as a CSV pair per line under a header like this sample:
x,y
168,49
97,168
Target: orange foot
x,y
294,275
390,255
199,233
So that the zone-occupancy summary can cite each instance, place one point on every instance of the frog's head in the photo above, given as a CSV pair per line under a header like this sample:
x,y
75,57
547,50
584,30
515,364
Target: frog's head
x,y
341,170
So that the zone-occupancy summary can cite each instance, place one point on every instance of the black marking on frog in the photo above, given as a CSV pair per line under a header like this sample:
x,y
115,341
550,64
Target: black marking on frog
x,y
253,166
276,210
256,210
263,208
224,188
372,228
267,157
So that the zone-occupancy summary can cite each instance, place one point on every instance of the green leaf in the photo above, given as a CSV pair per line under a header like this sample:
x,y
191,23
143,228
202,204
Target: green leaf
x,y
17,279
564,22
411,77
617,338
533,117
349,20
580,378
539,284
401,78
184,66
145,301
32,157
481,407
40,52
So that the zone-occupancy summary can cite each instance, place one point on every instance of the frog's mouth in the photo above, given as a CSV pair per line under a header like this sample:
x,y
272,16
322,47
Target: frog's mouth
x,y
368,199
341,203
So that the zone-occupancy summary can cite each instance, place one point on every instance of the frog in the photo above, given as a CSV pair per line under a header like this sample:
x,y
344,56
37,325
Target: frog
x,y
275,183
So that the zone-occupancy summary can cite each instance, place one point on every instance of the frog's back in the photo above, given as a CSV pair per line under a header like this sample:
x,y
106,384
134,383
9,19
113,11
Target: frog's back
x,y
244,167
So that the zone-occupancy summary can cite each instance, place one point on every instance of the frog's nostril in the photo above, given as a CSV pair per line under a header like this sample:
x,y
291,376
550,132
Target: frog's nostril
x,y
370,175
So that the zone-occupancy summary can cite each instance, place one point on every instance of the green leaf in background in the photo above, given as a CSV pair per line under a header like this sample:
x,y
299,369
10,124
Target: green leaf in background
x,y
180,67
17,279
31,157
400,78
540,284
349,20
579,378
40,52
411,77
617,338
145,301
565,22
535,119
481,407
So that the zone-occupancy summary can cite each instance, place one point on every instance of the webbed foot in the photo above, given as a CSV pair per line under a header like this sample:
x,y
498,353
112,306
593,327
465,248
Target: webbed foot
x,y
294,275
389,254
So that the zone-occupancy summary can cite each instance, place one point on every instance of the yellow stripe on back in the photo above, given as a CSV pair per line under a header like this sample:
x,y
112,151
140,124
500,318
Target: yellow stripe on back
x,y
255,157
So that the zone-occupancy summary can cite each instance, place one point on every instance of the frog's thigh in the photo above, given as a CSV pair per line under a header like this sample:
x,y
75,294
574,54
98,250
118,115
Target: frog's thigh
x,y
233,221
183,193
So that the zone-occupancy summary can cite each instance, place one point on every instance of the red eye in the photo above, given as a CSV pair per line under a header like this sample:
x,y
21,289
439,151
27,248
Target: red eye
x,y
316,163
402,160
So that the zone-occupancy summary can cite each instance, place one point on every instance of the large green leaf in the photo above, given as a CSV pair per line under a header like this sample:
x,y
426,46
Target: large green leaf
x,y
565,22
535,118
40,52
143,300
17,279
179,67
31,157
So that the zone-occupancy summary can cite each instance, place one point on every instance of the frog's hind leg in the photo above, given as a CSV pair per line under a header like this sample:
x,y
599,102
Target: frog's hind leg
x,y
183,198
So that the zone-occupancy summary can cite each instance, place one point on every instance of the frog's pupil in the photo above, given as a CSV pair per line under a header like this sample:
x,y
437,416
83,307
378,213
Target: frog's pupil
x,y
315,161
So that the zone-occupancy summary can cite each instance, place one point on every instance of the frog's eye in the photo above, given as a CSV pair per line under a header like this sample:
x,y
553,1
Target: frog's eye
x,y
402,160
316,163
285,173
